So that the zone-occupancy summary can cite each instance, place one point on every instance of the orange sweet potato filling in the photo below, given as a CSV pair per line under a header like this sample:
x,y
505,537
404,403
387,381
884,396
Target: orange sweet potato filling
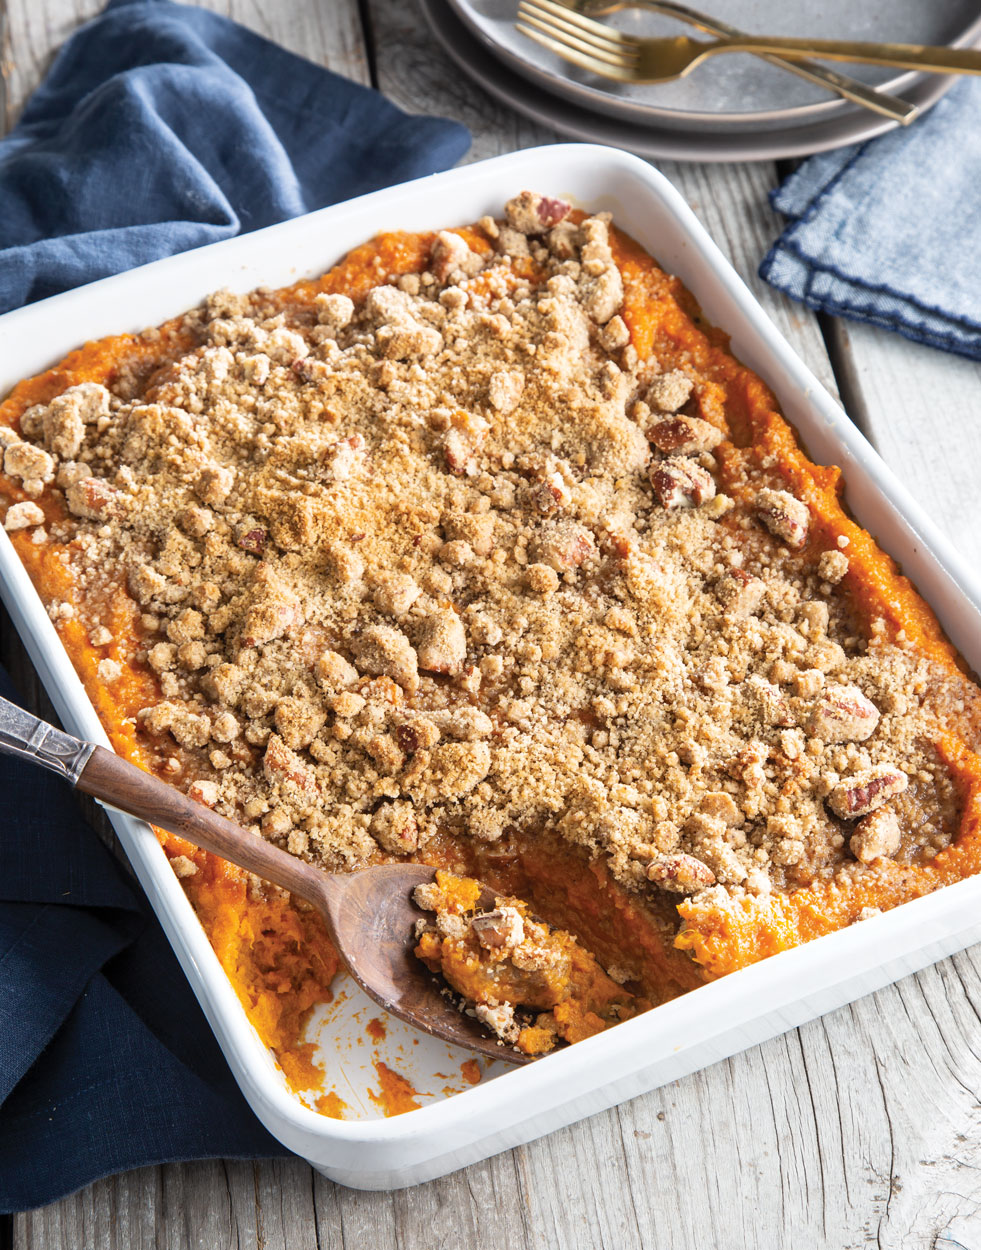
x,y
274,950
569,989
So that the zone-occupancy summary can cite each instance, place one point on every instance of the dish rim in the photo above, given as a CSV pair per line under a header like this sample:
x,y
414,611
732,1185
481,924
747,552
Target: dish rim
x,y
579,1068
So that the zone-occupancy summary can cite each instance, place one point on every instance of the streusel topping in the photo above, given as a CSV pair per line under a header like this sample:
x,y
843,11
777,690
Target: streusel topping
x,y
455,556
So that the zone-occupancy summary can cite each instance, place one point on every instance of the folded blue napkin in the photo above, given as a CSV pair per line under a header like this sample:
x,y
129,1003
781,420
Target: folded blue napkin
x,y
889,231
159,128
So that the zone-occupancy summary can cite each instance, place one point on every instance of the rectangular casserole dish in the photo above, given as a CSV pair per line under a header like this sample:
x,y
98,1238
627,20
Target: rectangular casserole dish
x,y
683,1035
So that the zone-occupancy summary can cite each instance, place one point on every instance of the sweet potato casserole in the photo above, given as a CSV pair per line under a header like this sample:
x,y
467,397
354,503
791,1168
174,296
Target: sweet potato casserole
x,y
482,549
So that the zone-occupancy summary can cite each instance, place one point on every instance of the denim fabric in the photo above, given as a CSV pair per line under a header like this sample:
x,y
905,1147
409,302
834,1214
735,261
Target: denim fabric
x,y
162,127
889,231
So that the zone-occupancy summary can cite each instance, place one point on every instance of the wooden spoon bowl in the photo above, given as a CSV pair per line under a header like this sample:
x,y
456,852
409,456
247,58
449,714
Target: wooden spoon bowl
x,y
369,914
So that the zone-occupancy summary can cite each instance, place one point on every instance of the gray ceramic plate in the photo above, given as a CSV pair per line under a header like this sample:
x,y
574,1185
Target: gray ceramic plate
x,y
652,139
733,91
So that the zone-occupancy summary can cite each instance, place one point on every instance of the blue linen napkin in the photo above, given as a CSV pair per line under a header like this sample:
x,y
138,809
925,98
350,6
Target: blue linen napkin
x,y
889,231
160,128
106,1059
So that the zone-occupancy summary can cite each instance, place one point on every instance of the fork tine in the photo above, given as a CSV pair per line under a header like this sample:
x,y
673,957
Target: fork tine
x,y
574,54
599,62
595,32
571,38
569,49
617,53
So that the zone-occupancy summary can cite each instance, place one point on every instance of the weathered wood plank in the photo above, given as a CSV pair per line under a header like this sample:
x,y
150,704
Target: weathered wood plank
x,y
411,70
328,33
922,409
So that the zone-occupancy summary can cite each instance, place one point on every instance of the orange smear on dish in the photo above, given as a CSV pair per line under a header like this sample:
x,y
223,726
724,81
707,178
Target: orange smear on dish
x,y
470,1071
396,1096
331,1104
376,1029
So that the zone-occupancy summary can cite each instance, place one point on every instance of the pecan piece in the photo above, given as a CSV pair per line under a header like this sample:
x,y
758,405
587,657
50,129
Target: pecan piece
x,y
842,714
784,516
343,458
768,702
550,494
502,928
681,483
876,836
565,546
865,791
680,873
459,452
204,792
684,435
253,540
94,498
283,766
531,213
384,651
741,593
309,369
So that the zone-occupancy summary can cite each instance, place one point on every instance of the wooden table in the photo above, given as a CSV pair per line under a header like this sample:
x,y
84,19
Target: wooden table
x,y
863,1128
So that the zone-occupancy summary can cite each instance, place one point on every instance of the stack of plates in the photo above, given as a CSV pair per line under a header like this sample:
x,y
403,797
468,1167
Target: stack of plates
x,y
733,107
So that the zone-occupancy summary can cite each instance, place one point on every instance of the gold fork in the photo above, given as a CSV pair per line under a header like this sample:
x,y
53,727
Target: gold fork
x,y
878,101
625,58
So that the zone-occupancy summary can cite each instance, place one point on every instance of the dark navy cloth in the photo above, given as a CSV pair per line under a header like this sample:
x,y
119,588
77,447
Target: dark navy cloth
x,y
159,128
162,127
106,1059
889,231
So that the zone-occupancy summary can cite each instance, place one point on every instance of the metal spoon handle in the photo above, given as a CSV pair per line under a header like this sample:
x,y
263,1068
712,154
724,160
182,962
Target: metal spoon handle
x,y
26,736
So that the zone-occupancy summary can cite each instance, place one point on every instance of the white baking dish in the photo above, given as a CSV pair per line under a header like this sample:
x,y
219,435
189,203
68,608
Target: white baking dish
x,y
697,1029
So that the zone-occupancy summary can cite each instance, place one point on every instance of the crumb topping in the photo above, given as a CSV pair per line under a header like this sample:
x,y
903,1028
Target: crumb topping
x,y
455,556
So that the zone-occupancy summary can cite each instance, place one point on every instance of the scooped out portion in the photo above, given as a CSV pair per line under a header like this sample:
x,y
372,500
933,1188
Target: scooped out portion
x,y
531,984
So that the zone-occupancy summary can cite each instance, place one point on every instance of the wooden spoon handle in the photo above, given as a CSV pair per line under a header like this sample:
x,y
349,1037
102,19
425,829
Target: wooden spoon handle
x,y
115,781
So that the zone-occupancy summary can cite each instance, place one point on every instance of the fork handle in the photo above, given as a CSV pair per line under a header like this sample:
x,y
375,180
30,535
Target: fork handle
x,y
821,75
849,88
931,60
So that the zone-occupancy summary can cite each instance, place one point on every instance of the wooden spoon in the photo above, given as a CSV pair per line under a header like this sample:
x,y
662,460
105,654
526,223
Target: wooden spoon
x,y
369,914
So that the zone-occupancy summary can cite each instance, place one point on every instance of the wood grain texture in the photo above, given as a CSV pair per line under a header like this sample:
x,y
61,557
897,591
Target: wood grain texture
x,y
329,33
922,410
860,1129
